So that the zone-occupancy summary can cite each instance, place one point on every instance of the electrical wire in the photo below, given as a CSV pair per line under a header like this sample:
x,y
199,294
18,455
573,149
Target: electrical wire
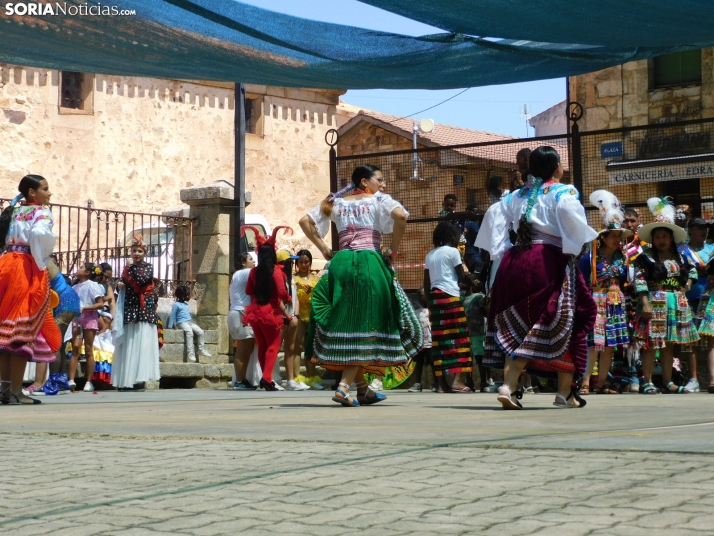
x,y
439,104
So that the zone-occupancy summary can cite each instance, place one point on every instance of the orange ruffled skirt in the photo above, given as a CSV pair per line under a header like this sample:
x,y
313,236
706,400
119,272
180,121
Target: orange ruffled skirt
x,y
27,328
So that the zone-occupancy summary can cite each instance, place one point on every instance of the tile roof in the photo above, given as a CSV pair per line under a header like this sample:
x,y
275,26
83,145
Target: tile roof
x,y
447,135
442,134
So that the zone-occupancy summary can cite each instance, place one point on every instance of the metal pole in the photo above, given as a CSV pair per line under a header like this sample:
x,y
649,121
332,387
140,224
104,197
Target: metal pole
x,y
239,187
577,159
333,188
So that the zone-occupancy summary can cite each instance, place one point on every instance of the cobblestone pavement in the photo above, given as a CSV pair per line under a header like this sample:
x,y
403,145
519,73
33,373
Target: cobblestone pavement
x,y
205,463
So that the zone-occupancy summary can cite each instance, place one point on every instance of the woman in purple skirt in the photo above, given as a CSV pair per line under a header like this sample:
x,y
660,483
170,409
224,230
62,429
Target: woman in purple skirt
x,y
541,310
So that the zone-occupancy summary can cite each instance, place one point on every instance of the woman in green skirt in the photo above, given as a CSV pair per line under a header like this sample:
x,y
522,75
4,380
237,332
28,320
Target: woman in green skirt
x,y
362,321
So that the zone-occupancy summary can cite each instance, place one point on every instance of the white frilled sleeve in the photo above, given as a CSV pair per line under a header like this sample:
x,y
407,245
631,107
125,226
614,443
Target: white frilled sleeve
x,y
573,224
322,222
42,239
385,206
493,234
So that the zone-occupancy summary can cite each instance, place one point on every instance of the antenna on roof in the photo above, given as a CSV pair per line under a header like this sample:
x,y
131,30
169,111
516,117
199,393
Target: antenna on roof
x,y
426,126
526,114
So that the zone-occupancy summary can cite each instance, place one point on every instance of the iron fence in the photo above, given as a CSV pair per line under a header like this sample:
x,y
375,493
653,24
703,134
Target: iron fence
x,y
419,179
664,159
89,234
635,163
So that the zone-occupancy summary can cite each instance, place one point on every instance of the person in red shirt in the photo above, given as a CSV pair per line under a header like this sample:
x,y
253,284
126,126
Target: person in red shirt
x,y
267,313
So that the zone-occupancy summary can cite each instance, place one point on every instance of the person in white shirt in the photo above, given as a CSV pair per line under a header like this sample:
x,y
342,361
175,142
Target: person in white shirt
x,y
541,310
91,299
443,270
242,334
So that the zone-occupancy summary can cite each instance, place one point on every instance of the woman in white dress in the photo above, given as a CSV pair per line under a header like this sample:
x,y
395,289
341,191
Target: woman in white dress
x,y
136,342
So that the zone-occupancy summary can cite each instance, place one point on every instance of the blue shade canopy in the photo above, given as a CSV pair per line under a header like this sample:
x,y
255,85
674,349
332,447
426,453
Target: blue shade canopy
x,y
230,41
608,23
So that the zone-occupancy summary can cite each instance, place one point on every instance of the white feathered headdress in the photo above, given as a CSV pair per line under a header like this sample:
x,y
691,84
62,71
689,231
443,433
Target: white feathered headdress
x,y
610,210
663,211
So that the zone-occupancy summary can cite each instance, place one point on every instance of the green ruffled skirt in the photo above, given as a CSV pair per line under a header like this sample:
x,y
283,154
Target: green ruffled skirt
x,y
361,316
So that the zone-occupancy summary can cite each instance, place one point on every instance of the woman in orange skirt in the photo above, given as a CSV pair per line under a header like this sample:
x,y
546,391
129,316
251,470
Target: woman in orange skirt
x,y
27,330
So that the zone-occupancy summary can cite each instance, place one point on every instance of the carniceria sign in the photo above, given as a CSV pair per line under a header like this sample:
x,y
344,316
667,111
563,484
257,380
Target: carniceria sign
x,y
660,173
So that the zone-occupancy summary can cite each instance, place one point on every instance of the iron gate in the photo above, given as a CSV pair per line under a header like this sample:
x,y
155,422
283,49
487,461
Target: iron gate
x,y
89,234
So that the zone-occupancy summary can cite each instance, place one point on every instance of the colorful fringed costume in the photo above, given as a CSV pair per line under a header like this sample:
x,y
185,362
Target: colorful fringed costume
x,y
671,319
671,316
606,277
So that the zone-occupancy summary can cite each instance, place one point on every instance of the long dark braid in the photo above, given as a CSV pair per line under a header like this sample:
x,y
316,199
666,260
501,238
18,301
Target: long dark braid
x,y
543,163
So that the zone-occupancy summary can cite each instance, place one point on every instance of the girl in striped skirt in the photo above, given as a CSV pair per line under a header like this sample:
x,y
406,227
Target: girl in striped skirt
x,y
443,269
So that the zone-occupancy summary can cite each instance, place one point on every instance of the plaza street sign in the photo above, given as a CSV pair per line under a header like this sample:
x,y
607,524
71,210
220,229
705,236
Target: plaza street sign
x,y
611,149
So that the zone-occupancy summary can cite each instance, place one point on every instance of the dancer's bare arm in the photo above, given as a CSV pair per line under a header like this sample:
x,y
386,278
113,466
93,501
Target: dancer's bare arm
x,y
310,229
400,224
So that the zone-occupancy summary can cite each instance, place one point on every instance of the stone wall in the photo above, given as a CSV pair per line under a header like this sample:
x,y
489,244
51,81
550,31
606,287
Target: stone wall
x,y
145,139
621,96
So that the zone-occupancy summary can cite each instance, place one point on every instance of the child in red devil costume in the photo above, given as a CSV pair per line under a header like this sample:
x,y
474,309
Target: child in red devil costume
x,y
267,313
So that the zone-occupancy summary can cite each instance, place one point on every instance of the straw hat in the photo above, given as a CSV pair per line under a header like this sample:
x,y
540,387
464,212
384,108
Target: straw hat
x,y
610,211
663,211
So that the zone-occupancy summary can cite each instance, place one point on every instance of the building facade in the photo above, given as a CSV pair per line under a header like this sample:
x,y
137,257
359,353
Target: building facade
x,y
663,107
131,143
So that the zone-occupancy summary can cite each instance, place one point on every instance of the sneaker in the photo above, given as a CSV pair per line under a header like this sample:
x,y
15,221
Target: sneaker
x,y
191,359
302,382
33,390
416,388
633,387
692,386
292,385
88,387
204,353
245,385
72,385
492,388
435,388
376,385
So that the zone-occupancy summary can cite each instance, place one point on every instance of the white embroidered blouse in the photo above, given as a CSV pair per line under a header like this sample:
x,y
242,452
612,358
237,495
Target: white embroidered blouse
x,y
371,213
557,212
32,226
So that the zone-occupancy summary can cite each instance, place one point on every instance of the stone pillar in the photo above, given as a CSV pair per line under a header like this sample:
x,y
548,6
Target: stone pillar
x,y
210,206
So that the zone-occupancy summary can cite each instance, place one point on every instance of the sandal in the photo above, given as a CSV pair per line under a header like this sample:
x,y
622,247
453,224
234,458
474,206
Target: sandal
x,y
368,396
650,389
18,398
584,390
342,396
506,398
668,389
606,390
566,402
5,392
